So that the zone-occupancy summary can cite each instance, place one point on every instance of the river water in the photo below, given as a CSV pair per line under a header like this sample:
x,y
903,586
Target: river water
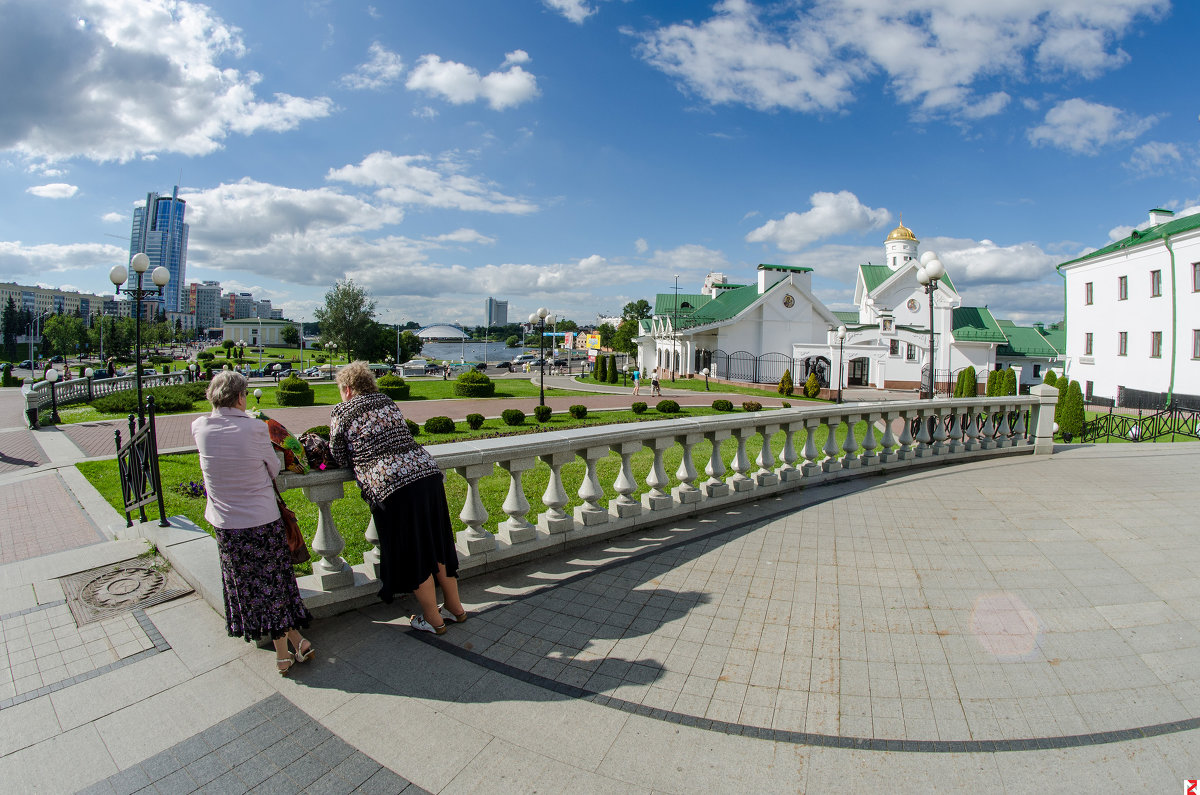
x,y
473,352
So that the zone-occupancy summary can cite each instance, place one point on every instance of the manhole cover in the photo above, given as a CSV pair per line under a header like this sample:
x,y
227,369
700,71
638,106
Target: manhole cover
x,y
107,591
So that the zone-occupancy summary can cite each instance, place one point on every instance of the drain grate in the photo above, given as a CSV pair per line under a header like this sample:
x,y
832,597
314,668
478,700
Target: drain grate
x,y
97,594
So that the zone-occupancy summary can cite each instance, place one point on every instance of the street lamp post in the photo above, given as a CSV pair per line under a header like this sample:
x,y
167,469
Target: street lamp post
x,y
625,375
705,372
257,397
930,272
539,317
332,348
841,333
160,276
52,377
675,332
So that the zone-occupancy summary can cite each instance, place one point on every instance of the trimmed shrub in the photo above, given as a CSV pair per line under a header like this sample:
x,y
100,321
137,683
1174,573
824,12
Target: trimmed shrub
x,y
667,407
970,382
612,369
166,398
293,391
786,387
413,428
1070,424
785,404
1051,379
721,404
439,425
812,387
513,417
751,405
319,430
393,386
474,384
474,421
542,413
205,356
155,359
1010,381
601,368
638,408
578,411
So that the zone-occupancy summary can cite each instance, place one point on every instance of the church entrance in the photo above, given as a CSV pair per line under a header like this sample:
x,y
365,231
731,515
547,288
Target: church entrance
x,y
858,372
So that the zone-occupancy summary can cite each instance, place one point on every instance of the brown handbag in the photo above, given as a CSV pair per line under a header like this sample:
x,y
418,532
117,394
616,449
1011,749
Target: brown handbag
x,y
291,529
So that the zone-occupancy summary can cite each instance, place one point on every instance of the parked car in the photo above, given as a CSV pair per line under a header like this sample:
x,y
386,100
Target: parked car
x,y
481,366
26,365
58,359
504,366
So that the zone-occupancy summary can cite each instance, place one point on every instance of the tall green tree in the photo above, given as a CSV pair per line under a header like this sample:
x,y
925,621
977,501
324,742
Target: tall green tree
x,y
11,318
347,317
623,339
289,335
63,334
637,310
607,332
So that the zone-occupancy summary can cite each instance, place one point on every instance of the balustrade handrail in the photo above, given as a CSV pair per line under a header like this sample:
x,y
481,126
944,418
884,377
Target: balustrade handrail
x,y
79,390
930,431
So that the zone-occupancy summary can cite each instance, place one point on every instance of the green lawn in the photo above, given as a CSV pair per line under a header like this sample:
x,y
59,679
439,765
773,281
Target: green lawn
x,y
351,514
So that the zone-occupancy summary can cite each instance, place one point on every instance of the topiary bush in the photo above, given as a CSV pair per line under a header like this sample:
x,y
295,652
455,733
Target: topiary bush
x,y
393,386
474,384
166,398
612,369
720,404
542,413
439,425
474,421
578,411
6,376
785,404
1051,379
601,369
320,430
1010,381
812,387
293,391
751,405
513,417
786,387
667,407
1070,423
205,356
638,407
413,428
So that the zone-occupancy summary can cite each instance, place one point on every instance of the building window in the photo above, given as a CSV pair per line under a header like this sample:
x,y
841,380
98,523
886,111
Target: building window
x,y
1196,277
1088,393
1155,344
1155,283
1196,343
894,347
1087,293
1037,371
1122,343
1087,344
912,352
1122,288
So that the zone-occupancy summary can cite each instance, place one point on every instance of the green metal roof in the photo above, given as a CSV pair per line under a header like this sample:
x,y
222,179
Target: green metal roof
x,y
727,304
875,275
1024,341
664,303
1056,335
976,324
847,317
1140,236
789,268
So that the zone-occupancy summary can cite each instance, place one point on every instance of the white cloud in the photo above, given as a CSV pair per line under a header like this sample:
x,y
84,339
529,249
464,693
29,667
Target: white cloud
x,y
1083,127
26,264
641,245
411,179
463,236
115,218
971,263
55,190
811,56
382,69
832,214
686,259
1155,157
459,84
575,10
120,79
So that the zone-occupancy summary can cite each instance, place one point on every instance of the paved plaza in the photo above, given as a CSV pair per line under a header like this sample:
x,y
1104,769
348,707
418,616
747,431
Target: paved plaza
x,y
1019,624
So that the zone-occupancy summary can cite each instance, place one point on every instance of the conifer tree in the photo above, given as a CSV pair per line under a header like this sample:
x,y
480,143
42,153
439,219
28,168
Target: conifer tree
x,y
786,388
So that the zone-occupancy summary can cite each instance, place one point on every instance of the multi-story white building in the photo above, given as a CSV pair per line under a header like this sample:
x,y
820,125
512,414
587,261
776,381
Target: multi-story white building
x,y
496,312
204,300
262,308
43,300
1133,311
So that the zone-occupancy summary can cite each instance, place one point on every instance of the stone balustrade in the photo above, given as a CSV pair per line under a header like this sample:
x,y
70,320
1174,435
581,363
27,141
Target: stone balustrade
x,y
875,437
83,390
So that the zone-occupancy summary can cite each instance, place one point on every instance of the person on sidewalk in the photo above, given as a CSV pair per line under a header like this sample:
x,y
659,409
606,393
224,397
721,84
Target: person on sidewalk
x,y
655,387
239,464
637,384
402,483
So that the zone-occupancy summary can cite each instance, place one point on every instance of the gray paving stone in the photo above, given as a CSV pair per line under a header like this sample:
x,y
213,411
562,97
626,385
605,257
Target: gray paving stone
x,y
208,768
256,770
385,782
357,768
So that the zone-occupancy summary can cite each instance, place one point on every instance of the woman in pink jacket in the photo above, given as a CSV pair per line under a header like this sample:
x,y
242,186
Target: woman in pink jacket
x,y
239,465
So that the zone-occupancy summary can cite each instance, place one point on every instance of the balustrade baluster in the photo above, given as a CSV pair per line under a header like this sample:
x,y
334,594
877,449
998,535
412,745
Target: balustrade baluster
x,y
715,486
624,506
656,499
849,458
474,540
988,432
764,475
516,528
869,457
371,556
905,451
939,435
331,571
1004,431
811,465
686,492
787,456
590,491
555,496
1021,430
887,445
830,462
923,449
970,430
740,480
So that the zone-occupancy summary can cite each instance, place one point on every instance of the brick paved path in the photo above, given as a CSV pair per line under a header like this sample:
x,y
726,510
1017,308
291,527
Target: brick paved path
x,y
41,516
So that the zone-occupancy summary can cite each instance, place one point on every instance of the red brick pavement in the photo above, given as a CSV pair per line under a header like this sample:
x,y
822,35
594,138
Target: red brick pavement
x,y
18,451
42,517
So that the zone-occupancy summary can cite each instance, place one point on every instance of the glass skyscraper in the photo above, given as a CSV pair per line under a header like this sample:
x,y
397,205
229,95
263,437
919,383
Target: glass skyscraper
x,y
160,231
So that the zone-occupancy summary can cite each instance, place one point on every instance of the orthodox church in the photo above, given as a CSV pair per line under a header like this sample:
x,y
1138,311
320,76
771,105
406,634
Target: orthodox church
x,y
753,332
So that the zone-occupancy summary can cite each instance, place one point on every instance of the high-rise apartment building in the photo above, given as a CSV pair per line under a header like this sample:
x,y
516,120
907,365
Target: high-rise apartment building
x,y
204,300
262,308
496,312
160,231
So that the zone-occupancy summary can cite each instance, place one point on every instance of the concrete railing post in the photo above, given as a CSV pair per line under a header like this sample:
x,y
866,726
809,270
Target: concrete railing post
x,y
331,571
1042,419
516,528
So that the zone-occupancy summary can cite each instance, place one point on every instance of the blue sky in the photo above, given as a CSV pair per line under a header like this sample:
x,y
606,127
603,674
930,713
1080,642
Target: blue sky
x,y
579,154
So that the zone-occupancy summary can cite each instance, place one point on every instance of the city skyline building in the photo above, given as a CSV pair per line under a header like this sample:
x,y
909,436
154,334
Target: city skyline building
x,y
495,312
160,231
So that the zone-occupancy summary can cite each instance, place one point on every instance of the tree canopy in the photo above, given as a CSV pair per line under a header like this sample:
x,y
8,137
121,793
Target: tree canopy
x,y
637,310
347,318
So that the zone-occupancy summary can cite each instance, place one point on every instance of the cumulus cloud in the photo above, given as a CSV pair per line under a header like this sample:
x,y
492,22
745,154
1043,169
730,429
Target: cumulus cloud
x,y
685,259
575,10
119,79
463,236
832,214
459,84
26,264
416,179
382,68
55,190
641,245
115,218
1154,158
1084,128
810,57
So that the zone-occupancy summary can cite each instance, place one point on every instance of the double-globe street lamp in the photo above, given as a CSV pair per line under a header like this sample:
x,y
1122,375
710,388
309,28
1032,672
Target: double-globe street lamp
x,y
140,263
539,317
930,272
841,335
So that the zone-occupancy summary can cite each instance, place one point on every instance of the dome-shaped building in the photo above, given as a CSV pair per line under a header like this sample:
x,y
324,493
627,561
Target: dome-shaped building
x,y
442,332
900,246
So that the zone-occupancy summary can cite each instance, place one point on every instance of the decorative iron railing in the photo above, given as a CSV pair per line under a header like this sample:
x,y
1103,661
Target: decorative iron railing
x,y
83,390
1166,424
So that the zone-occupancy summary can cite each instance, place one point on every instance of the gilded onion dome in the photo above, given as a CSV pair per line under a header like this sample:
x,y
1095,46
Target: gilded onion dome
x,y
901,232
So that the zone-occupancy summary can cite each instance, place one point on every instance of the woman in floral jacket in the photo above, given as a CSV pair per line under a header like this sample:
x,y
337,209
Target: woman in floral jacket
x,y
403,485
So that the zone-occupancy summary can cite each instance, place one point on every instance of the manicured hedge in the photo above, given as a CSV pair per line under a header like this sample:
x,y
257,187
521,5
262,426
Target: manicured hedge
x,y
439,425
166,398
751,405
474,421
638,407
513,417
413,428
542,413
474,384
812,387
293,391
578,411
393,386
786,387
667,407
720,404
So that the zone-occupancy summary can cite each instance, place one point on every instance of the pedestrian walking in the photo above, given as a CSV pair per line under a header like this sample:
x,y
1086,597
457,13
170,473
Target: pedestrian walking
x,y
655,387
637,384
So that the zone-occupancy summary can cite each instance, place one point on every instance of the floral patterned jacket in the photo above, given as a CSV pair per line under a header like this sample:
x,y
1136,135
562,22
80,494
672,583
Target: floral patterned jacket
x,y
368,433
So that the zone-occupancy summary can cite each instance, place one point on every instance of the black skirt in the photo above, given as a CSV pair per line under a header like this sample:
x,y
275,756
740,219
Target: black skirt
x,y
414,536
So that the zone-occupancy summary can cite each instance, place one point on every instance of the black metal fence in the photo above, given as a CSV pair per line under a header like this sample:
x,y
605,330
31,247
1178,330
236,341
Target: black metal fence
x,y
1154,401
765,369
137,463
1167,424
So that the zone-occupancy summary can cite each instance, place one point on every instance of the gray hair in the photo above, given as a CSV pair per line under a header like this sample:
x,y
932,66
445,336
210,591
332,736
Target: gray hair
x,y
226,387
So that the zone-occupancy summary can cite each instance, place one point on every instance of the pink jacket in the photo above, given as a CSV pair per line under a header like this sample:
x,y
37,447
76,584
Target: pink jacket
x,y
239,464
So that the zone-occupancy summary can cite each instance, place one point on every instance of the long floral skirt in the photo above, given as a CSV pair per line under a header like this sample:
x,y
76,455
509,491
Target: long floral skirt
x,y
261,595
414,536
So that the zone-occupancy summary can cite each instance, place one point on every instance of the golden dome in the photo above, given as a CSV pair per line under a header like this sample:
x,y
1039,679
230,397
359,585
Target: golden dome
x,y
901,232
